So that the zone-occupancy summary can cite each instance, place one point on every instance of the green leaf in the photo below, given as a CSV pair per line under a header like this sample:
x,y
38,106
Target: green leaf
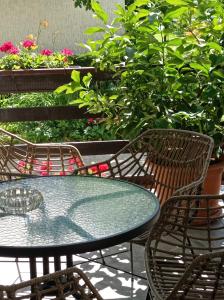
x,y
177,2
75,76
173,14
175,42
99,11
215,46
61,89
199,67
139,3
92,30
87,80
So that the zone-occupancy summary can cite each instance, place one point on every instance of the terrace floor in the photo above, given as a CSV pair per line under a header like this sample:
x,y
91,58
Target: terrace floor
x,y
110,282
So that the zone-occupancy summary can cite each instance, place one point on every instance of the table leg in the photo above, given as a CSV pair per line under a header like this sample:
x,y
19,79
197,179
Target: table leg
x,y
69,261
46,265
33,267
57,263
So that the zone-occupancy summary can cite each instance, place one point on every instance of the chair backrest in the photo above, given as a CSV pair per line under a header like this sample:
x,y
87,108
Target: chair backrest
x,y
162,160
61,285
203,279
176,239
18,156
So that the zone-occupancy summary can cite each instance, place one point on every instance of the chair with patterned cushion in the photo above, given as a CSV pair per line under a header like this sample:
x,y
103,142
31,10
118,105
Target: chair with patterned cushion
x,y
19,157
175,265
71,283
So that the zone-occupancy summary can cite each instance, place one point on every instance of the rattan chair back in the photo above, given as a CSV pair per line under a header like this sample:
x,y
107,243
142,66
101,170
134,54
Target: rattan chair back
x,y
162,160
176,240
20,157
71,283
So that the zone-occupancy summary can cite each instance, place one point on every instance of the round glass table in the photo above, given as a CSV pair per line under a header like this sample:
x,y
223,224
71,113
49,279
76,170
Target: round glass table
x,y
78,214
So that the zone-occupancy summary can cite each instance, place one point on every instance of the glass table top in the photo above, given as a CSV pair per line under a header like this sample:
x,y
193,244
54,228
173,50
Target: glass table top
x,y
76,210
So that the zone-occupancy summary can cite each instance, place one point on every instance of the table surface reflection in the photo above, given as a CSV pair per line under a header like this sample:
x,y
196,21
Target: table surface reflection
x,y
78,214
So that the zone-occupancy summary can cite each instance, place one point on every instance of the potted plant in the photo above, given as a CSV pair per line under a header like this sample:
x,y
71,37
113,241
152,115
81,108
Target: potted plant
x,y
173,54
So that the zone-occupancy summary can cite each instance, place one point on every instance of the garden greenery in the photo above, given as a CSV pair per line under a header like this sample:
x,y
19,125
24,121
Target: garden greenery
x,y
169,57
53,131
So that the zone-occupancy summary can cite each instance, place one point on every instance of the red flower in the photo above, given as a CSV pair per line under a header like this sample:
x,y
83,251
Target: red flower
x,y
90,120
62,173
75,161
46,165
13,50
46,52
44,173
21,163
29,44
67,52
103,167
6,47
70,169
72,161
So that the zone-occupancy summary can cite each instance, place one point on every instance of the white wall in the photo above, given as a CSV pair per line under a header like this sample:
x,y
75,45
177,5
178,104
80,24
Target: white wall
x,y
18,18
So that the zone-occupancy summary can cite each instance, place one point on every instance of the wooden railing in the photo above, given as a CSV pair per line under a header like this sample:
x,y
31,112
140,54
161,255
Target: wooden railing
x,y
48,80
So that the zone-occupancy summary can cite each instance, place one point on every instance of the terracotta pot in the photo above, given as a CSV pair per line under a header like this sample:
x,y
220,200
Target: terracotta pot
x,y
212,185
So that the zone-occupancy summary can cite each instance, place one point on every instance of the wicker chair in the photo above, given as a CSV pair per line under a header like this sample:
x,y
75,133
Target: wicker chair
x,y
180,257
19,157
165,161
71,283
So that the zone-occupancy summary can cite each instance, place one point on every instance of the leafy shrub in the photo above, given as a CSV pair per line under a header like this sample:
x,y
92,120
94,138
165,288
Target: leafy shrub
x,y
53,131
173,54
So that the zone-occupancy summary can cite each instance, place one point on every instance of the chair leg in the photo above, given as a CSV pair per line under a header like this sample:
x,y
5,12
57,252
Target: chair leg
x,y
102,257
132,260
18,269
149,295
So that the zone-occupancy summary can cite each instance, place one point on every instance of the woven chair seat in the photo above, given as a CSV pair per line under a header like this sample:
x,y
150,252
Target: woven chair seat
x,y
174,244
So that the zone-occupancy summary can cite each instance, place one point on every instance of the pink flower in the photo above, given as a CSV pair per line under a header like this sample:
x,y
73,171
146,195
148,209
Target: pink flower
x,y
70,169
13,50
21,163
46,166
28,44
103,167
7,46
100,168
75,160
62,173
90,121
46,52
44,173
67,52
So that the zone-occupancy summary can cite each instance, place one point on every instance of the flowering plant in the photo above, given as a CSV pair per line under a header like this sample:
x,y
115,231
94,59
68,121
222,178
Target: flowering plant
x,y
48,167
27,56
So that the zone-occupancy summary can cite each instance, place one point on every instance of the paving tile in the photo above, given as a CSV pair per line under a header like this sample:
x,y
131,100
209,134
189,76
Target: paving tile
x,y
115,284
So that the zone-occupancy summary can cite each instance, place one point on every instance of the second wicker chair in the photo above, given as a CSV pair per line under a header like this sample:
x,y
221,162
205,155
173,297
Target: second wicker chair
x,y
19,157
183,261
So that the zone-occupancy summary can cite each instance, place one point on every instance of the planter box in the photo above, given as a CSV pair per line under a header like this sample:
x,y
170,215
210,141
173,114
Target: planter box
x,y
42,80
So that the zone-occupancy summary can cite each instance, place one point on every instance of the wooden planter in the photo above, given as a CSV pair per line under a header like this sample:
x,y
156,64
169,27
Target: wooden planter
x,y
42,80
